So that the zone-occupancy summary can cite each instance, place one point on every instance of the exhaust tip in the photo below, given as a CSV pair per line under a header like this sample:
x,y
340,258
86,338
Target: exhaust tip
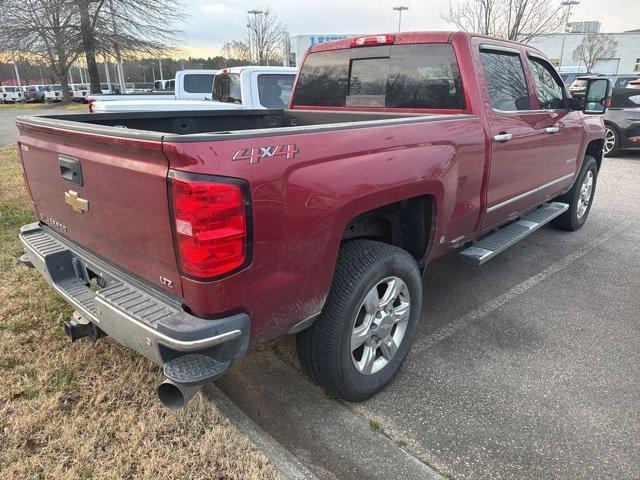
x,y
174,396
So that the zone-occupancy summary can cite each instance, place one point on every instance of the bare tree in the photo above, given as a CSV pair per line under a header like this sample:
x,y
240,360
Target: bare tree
x,y
595,47
43,29
265,36
237,50
140,28
518,20
88,10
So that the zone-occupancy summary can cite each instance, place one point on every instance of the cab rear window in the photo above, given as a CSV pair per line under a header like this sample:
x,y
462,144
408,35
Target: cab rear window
x,y
198,82
226,88
420,76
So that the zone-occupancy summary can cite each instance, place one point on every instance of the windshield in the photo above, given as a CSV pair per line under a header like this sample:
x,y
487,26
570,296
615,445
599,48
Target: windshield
x,y
10,89
226,88
397,76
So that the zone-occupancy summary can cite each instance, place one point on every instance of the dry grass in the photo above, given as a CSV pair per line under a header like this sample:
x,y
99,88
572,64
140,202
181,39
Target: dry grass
x,y
89,411
37,106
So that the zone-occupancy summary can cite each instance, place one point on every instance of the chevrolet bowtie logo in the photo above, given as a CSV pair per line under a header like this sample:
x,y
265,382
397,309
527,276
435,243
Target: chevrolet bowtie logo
x,y
78,204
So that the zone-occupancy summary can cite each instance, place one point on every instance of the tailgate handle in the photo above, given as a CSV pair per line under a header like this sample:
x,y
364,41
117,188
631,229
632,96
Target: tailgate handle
x,y
70,170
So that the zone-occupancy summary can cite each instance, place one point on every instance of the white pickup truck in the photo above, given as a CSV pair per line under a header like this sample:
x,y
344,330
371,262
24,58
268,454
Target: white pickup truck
x,y
236,88
189,85
10,94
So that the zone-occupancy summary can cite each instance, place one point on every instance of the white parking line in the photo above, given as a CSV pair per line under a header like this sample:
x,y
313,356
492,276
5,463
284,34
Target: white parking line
x,y
482,311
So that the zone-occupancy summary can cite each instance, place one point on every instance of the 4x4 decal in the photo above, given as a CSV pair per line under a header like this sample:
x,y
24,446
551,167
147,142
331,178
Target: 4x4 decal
x,y
255,154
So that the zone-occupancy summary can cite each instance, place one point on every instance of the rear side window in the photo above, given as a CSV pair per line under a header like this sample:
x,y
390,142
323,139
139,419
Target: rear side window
x,y
505,79
226,88
401,76
198,83
274,90
625,98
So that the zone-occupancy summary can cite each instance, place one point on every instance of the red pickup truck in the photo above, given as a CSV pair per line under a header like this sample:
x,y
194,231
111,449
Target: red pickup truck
x,y
193,236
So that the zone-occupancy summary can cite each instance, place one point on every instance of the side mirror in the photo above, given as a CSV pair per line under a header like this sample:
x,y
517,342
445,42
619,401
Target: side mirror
x,y
596,96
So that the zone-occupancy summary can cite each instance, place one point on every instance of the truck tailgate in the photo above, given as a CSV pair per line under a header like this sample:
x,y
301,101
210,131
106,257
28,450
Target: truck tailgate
x,y
108,194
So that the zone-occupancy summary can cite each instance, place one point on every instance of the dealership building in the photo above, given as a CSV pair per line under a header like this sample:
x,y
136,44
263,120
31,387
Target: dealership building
x,y
625,60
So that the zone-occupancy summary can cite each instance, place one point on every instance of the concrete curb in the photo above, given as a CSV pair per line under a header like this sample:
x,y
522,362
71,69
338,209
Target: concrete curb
x,y
328,437
288,465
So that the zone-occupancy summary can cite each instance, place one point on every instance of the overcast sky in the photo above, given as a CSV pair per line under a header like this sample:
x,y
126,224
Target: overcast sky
x,y
211,23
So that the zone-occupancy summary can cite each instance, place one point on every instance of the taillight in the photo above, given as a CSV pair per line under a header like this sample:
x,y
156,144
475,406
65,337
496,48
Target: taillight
x,y
210,224
57,94
373,40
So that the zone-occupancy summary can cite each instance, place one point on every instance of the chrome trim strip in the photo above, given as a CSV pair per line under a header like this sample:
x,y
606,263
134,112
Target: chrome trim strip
x,y
511,200
530,192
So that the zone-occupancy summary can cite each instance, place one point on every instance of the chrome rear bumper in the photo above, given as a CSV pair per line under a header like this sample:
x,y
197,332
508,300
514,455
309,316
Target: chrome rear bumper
x,y
150,322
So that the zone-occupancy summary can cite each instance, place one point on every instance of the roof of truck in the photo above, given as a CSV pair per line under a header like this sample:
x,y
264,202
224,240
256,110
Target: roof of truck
x,y
258,68
413,37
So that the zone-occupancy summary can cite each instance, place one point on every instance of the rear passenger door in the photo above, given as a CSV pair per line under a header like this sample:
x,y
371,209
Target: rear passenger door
x,y
562,127
517,142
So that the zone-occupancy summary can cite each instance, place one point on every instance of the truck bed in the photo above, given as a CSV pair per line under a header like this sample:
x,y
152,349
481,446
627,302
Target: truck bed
x,y
224,124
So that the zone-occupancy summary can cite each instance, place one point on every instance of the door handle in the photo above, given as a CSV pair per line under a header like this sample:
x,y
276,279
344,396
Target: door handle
x,y
552,129
503,137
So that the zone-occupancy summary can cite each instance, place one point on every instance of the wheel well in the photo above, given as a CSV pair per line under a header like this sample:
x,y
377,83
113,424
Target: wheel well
x,y
595,149
406,224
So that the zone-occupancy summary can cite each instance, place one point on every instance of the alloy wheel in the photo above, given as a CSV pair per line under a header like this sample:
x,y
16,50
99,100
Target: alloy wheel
x,y
586,191
380,325
609,141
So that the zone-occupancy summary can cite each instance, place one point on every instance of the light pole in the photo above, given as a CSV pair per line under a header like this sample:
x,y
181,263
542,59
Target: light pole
x,y
255,14
144,73
399,9
568,4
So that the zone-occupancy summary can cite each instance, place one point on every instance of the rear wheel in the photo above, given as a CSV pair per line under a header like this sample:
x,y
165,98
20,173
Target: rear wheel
x,y
579,198
368,323
611,141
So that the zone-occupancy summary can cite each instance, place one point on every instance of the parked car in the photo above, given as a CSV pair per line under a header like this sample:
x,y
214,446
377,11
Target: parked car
x,y
233,89
191,85
79,92
53,93
165,85
193,236
138,87
34,93
568,78
10,94
578,86
622,121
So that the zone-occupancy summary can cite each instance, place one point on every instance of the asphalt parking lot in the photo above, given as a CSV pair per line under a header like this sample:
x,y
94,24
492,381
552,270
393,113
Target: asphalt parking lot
x,y
526,367
8,129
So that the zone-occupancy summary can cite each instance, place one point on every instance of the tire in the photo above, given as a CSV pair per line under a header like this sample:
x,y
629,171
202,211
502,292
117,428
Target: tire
x,y
611,141
365,270
576,216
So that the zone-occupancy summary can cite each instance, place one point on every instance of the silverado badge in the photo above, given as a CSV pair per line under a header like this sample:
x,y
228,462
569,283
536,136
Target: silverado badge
x,y
78,204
